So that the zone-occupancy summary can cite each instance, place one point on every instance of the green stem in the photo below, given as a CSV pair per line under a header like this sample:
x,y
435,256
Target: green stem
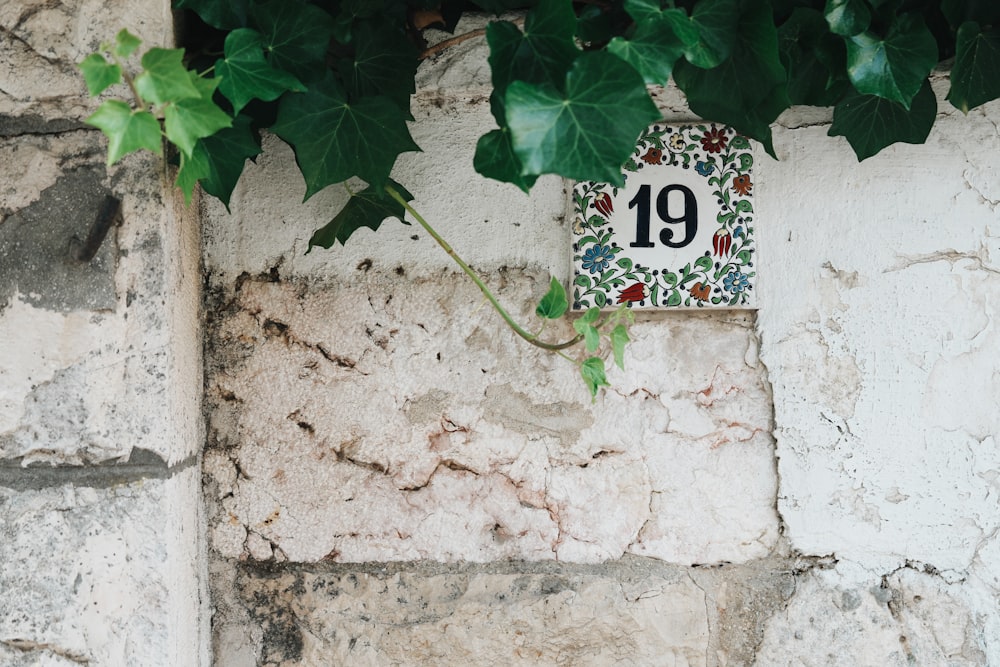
x,y
531,338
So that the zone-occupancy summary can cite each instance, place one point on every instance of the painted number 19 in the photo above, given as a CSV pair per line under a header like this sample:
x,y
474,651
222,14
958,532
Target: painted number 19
x,y
642,202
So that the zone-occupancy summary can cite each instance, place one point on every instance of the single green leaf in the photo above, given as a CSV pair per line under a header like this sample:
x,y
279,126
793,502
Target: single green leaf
x,y
98,73
592,370
495,159
164,78
221,14
847,17
554,303
227,152
542,53
125,44
652,49
894,67
384,63
127,130
619,336
871,123
368,208
193,169
334,140
674,299
246,74
974,76
296,37
588,131
716,22
589,317
813,58
641,10
190,119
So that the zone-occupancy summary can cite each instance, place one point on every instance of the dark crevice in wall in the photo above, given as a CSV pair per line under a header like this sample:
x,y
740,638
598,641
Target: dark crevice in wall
x,y
142,465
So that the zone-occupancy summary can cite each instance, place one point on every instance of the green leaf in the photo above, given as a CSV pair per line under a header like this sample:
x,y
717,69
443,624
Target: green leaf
x,y
619,336
981,11
674,299
748,90
541,54
98,73
589,317
589,130
716,23
554,303
165,79
495,159
813,58
193,169
368,208
592,370
384,63
871,123
296,36
125,44
227,152
190,119
847,17
894,67
974,76
653,49
334,140
127,130
246,74
221,14
641,10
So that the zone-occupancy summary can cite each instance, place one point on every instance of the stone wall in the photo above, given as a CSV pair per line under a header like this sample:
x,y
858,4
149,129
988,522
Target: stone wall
x,y
101,549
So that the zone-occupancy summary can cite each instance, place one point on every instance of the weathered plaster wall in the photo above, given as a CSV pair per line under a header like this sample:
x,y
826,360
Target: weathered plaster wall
x,y
394,479
101,555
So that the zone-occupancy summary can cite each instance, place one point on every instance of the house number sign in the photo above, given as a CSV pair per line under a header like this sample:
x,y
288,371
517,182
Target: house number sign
x,y
678,234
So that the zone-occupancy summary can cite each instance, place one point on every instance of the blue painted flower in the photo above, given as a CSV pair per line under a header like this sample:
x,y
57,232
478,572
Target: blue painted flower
x,y
704,168
736,282
738,232
597,258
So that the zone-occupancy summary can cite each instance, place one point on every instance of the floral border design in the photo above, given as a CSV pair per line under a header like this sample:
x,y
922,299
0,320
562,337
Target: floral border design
x,y
721,277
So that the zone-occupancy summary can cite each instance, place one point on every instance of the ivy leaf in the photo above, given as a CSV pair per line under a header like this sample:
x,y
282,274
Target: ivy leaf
x,y
221,14
584,325
814,59
847,17
165,79
977,60
495,159
334,140
981,11
554,303
870,123
748,90
716,23
384,63
542,53
125,44
656,45
589,130
246,75
368,208
619,337
127,130
894,67
227,151
296,36
188,120
193,169
592,370
99,74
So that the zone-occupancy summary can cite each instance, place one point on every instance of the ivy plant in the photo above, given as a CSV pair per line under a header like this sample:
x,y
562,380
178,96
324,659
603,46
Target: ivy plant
x,y
333,79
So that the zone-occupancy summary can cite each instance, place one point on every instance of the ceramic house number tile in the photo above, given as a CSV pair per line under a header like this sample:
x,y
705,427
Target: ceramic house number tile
x,y
678,234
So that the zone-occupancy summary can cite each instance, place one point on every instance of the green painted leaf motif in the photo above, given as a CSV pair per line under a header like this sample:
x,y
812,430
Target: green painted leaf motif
x,y
296,37
592,370
619,337
221,14
165,79
368,208
814,59
495,159
974,79
871,123
894,67
190,119
716,21
600,298
652,50
674,299
542,53
127,130
587,132
228,151
125,44
847,17
554,303
193,169
334,140
583,281
98,73
383,64
246,74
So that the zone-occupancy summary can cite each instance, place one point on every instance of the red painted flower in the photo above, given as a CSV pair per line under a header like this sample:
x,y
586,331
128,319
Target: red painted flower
x,y
653,156
700,291
634,292
714,141
721,243
742,184
602,202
